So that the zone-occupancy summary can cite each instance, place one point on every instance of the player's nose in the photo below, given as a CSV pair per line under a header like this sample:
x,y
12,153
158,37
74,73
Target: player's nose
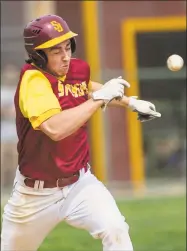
x,y
65,57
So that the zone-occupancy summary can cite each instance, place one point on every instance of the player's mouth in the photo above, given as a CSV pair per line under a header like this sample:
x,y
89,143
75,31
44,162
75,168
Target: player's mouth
x,y
65,66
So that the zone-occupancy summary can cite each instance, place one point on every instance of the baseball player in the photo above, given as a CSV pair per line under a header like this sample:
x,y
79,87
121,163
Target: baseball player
x,y
54,100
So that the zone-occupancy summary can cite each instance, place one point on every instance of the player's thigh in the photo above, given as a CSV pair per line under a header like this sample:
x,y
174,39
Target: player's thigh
x,y
27,235
26,222
95,210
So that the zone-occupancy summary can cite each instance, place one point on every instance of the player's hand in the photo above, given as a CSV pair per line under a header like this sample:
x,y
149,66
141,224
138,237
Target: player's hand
x,y
145,118
118,80
146,110
113,89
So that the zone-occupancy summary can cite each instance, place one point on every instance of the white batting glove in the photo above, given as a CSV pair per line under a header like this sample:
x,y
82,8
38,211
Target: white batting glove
x,y
117,80
113,89
146,110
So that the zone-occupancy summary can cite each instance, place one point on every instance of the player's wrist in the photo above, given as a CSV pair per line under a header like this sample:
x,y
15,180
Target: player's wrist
x,y
132,102
100,102
125,101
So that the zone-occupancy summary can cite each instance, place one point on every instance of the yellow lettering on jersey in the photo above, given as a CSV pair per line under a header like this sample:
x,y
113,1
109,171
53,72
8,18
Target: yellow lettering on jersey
x,y
81,91
84,87
60,89
68,89
74,90
57,26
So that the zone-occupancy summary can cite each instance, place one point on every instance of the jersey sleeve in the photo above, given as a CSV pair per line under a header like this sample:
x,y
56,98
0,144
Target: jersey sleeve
x,y
37,101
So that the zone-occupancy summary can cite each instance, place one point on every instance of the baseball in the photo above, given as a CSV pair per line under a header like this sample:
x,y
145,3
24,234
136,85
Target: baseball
x,y
175,62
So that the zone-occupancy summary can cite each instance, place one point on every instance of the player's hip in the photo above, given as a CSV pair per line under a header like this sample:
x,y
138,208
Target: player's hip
x,y
25,203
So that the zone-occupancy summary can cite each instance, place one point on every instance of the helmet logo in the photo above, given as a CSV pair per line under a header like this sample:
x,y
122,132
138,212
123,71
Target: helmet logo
x,y
57,26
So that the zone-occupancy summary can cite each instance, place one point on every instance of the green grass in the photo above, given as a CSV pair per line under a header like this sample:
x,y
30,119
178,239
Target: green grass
x,y
157,224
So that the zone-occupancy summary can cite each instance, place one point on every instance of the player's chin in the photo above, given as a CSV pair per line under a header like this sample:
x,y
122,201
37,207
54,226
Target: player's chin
x,y
63,71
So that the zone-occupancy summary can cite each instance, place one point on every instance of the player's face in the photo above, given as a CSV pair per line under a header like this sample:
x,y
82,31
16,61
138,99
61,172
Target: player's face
x,y
59,58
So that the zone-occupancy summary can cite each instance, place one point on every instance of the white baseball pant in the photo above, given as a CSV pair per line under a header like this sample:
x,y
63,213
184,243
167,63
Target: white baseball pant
x,y
31,213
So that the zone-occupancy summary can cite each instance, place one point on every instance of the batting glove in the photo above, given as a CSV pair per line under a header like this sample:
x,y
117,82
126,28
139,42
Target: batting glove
x,y
113,89
146,110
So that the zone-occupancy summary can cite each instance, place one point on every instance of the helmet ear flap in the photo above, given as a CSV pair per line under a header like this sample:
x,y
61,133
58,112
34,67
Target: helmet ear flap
x,y
43,57
73,44
39,58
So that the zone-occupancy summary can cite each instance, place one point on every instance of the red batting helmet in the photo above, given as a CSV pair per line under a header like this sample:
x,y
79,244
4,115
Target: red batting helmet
x,y
45,32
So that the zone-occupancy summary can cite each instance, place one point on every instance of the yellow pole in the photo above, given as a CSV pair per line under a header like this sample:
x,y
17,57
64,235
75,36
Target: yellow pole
x,y
134,126
91,36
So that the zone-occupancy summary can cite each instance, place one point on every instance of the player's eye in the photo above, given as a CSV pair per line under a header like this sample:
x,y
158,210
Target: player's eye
x,y
56,52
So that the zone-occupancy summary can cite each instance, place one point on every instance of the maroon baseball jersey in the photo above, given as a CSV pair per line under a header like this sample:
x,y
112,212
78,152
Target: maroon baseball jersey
x,y
40,157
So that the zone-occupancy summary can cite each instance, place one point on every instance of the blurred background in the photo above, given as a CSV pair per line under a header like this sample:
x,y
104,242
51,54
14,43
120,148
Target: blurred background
x,y
132,39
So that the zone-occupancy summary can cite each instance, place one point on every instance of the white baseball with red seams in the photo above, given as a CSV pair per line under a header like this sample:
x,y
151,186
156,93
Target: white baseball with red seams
x,y
175,62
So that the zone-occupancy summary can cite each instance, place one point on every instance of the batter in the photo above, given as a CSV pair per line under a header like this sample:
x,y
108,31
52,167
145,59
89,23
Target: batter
x,y
54,100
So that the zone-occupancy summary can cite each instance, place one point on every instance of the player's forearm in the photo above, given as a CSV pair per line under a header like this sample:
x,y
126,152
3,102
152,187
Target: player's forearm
x,y
67,122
